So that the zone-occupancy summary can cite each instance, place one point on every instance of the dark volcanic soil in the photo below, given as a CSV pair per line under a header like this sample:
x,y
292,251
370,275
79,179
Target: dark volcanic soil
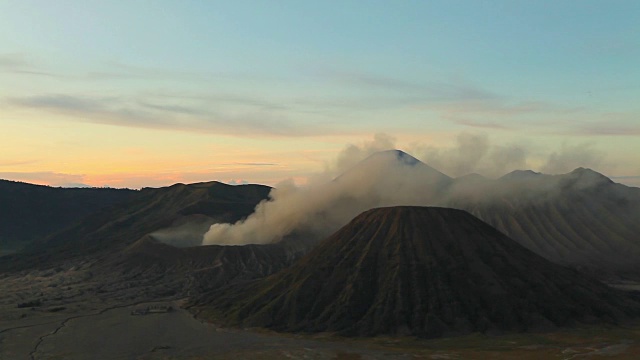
x,y
419,271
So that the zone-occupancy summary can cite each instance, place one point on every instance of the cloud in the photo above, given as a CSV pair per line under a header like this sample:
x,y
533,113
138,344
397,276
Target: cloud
x,y
627,180
461,159
615,125
21,64
543,117
17,162
381,180
255,164
500,113
62,102
12,61
474,152
469,150
479,124
427,91
570,157
179,109
357,181
360,90
121,112
354,153
504,158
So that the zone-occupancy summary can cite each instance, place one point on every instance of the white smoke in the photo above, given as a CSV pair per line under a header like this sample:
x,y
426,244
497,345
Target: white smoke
x,y
570,157
325,205
387,178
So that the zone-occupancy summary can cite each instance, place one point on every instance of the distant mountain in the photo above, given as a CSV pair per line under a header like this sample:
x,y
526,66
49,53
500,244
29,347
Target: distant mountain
x,y
30,212
152,209
396,171
581,219
418,271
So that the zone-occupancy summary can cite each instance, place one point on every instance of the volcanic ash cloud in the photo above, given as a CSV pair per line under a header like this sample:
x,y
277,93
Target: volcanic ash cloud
x,y
385,178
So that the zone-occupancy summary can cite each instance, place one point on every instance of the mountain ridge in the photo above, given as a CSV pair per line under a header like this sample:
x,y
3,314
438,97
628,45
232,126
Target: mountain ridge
x,y
29,212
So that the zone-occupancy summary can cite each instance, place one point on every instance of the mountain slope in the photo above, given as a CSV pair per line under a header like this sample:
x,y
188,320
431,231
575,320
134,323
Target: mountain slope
x,y
113,229
581,219
29,212
201,267
418,271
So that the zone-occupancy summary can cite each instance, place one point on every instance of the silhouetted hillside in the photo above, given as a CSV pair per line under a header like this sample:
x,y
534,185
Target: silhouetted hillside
x,y
113,229
30,212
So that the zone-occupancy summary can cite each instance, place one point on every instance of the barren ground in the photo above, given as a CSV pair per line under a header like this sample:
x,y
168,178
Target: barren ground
x,y
82,315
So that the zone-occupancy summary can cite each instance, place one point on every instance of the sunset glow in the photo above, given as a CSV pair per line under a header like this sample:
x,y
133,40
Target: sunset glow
x,y
135,94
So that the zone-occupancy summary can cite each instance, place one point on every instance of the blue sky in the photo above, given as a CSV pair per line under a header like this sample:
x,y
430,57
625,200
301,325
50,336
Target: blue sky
x,y
291,82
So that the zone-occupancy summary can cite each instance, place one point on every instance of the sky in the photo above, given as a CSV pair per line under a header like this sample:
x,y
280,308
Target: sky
x,y
150,93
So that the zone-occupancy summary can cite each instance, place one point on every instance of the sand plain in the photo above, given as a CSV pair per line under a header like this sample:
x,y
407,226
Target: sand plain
x,y
77,313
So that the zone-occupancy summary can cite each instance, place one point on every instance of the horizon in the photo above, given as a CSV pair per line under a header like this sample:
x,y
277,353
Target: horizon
x,y
235,183
131,95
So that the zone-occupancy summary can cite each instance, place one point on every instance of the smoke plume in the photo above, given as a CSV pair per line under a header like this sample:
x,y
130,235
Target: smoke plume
x,y
321,207
364,176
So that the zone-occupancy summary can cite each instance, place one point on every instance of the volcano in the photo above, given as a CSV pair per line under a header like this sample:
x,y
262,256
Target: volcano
x,y
398,173
419,271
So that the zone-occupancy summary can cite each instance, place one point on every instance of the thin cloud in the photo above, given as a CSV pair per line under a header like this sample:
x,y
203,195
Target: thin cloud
x,y
224,99
37,73
609,129
499,108
14,61
255,164
627,180
17,162
21,64
479,124
173,108
120,112
61,102
499,113
543,117
426,91
617,123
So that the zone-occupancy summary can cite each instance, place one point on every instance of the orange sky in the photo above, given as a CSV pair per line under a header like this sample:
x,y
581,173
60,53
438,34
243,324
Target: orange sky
x,y
124,94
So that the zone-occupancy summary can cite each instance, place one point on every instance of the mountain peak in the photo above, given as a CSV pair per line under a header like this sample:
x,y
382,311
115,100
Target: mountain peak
x,y
384,161
521,175
420,271
394,154
587,177
585,172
